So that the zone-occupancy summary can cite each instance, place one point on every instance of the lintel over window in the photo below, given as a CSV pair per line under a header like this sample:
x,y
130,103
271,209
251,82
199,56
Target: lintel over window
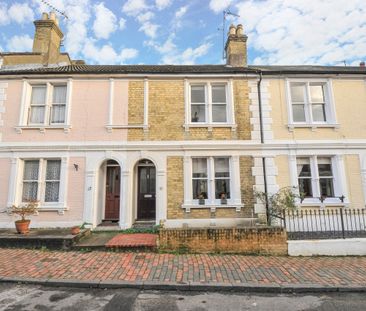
x,y
310,103
209,104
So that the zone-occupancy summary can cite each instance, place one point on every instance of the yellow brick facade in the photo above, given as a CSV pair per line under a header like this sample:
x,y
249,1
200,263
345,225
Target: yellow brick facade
x,y
166,113
175,193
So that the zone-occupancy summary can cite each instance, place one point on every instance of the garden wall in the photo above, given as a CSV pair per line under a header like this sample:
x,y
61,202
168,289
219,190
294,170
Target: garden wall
x,y
264,240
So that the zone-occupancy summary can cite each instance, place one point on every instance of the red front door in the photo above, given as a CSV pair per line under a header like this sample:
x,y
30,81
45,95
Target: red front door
x,y
112,195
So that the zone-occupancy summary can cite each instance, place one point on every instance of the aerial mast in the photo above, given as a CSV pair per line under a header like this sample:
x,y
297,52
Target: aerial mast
x,y
225,14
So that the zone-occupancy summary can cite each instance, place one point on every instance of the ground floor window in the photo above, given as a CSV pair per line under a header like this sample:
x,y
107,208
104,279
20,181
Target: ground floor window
x,y
41,180
316,176
211,178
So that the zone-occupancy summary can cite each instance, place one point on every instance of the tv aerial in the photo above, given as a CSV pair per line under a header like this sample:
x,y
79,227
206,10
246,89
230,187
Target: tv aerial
x,y
224,17
62,13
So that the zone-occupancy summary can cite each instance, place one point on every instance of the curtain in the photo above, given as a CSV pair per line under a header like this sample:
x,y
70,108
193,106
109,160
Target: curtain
x,y
30,181
218,94
53,170
31,169
222,167
58,114
199,167
52,180
38,95
198,94
59,94
37,114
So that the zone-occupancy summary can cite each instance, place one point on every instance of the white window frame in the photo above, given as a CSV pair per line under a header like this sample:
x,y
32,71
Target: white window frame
x,y
330,113
24,117
16,183
230,114
211,202
339,180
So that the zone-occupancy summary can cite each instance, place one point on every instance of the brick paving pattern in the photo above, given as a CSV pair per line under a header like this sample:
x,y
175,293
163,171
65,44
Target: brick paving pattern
x,y
133,240
207,269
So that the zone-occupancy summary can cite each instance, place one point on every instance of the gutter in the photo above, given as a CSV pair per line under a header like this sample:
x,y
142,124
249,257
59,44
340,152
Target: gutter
x,y
262,143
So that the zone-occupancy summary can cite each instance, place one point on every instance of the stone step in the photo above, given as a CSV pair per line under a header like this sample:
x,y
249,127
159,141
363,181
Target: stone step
x,y
144,225
146,241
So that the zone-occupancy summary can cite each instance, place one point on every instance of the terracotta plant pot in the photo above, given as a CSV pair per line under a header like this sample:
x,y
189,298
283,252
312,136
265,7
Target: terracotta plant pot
x,y
22,226
75,230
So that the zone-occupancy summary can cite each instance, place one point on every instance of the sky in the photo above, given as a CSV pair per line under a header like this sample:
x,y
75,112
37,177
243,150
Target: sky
x,y
280,32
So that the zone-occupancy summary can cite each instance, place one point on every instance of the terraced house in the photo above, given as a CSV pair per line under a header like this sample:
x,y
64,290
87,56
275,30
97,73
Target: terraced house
x,y
179,145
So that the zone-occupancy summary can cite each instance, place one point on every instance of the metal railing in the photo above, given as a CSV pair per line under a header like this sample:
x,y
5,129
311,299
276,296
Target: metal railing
x,y
333,223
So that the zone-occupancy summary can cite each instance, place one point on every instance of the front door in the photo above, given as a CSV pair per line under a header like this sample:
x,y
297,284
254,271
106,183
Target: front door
x,y
146,193
112,193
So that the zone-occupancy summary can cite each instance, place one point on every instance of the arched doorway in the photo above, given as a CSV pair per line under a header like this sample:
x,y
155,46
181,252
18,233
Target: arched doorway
x,y
146,191
112,192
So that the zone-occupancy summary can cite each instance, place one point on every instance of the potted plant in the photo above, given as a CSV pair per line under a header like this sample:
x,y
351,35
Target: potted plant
x,y
201,199
223,198
75,230
22,225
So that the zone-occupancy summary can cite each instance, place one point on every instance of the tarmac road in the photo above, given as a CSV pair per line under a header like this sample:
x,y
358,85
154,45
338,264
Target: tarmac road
x,y
36,297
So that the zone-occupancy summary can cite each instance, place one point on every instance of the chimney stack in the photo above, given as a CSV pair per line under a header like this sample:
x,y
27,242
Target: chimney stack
x,y
47,38
362,64
236,47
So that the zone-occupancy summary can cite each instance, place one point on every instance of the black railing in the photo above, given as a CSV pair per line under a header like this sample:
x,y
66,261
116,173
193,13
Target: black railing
x,y
333,223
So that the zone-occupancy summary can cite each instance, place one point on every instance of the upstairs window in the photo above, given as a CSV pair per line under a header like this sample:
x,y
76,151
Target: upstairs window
x,y
58,105
310,103
47,104
37,109
209,103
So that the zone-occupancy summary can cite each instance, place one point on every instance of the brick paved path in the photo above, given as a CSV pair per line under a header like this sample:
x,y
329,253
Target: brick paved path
x,y
208,269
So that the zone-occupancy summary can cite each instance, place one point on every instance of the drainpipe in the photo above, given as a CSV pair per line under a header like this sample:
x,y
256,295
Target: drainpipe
x,y
262,142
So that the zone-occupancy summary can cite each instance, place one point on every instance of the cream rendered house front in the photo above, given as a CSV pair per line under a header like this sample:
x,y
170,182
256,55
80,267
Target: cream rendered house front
x,y
319,117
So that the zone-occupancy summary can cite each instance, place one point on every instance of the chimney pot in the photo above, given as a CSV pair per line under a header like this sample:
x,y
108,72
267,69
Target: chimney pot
x,y
232,30
362,64
239,30
44,16
236,47
53,16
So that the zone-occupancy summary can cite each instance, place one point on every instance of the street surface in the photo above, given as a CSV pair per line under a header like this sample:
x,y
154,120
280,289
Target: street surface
x,y
34,297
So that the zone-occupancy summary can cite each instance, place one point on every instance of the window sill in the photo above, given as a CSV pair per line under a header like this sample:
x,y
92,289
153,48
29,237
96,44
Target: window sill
x,y
46,208
49,208
43,128
212,207
111,127
210,126
313,202
313,126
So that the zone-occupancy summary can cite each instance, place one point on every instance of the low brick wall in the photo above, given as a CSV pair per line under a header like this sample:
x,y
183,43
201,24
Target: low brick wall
x,y
264,240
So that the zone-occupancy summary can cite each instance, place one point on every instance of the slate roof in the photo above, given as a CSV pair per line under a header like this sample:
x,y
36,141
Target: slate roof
x,y
182,69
